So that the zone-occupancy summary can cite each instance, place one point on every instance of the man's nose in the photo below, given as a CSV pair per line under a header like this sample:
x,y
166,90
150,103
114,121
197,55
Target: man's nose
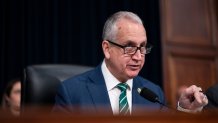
x,y
137,55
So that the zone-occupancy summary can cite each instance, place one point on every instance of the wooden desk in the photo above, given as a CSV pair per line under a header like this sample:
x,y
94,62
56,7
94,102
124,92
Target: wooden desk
x,y
149,117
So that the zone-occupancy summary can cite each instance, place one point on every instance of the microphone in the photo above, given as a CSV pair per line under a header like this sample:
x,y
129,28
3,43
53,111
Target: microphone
x,y
149,95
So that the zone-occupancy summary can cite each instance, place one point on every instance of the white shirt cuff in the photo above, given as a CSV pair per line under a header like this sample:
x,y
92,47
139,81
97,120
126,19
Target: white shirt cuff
x,y
179,108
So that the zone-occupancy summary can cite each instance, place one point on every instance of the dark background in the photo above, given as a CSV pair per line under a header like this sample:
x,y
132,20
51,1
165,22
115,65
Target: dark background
x,y
67,32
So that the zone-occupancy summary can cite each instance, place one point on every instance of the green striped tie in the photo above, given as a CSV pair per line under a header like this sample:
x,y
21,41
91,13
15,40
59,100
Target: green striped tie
x,y
123,103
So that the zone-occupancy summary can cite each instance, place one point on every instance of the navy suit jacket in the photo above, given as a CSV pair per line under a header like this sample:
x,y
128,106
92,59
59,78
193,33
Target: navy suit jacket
x,y
87,93
212,96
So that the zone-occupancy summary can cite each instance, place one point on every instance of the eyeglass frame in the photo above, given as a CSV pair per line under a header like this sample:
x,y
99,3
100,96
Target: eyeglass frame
x,y
147,49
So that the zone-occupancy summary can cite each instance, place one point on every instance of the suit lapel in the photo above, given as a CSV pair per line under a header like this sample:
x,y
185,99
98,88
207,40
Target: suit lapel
x,y
98,91
137,100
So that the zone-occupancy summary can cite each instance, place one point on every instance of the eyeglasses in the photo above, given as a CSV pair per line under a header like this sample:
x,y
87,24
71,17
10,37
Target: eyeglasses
x,y
131,50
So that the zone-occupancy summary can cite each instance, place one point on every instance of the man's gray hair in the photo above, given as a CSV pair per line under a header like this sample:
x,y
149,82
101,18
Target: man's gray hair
x,y
110,28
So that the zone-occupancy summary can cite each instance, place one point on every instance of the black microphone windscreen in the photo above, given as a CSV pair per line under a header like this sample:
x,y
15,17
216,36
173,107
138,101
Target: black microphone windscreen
x,y
151,96
148,94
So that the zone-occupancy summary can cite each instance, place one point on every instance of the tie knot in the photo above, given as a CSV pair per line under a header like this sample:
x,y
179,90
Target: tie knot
x,y
122,86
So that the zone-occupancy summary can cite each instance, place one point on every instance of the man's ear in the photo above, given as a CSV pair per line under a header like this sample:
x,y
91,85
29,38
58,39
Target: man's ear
x,y
106,49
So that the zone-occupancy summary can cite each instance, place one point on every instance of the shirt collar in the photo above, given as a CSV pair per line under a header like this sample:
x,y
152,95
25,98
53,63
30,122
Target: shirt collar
x,y
110,80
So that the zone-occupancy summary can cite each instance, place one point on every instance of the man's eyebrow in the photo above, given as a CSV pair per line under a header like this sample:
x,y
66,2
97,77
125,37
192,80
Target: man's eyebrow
x,y
132,43
129,43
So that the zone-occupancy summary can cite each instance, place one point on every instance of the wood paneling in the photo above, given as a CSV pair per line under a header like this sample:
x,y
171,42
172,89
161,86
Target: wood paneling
x,y
188,22
186,71
189,44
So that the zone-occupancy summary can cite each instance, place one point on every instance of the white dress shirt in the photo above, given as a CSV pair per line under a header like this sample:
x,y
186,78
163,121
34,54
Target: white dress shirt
x,y
113,91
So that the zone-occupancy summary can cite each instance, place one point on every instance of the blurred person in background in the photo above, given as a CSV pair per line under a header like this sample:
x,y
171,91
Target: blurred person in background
x,y
11,97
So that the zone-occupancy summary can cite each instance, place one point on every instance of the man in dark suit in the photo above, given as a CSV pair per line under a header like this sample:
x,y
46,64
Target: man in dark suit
x,y
112,86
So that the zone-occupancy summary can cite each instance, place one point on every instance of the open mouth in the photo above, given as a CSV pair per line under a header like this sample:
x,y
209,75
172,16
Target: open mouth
x,y
134,67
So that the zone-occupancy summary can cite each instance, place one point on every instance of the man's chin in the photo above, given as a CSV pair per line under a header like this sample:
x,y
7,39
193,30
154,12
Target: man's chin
x,y
133,74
